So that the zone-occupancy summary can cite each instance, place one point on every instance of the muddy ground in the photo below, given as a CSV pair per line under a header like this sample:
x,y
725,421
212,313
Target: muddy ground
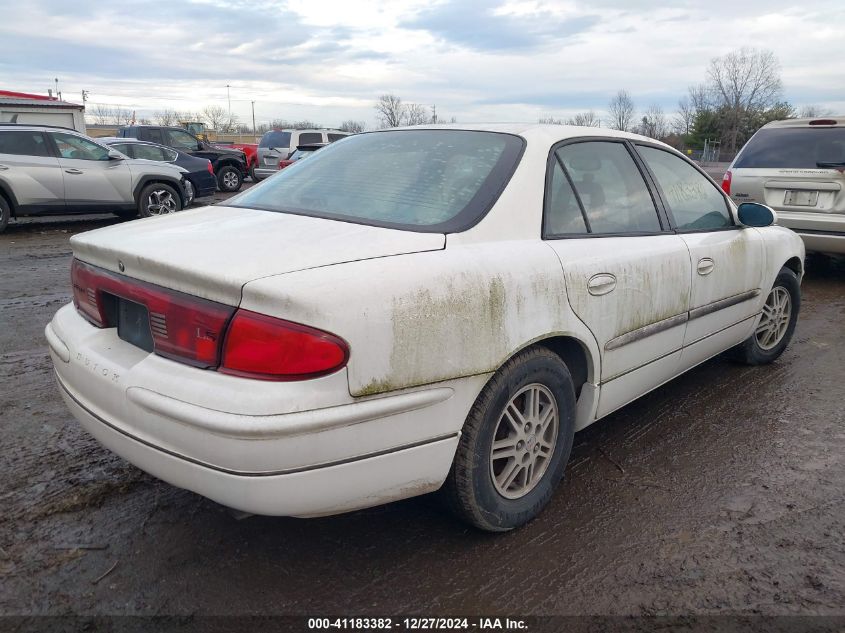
x,y
721,492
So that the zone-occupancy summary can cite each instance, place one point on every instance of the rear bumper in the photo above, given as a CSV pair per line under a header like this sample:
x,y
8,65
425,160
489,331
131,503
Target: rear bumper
x,y
821,232
205,184
265,172
291,449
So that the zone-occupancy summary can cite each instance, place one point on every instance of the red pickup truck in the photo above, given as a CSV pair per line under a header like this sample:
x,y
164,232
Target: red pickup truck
x,y
250,150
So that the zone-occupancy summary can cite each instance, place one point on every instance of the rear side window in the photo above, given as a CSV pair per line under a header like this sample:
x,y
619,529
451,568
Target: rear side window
x,y
275,138
153,135
611,189
23,143
796,148
335,137
306,138
424,180
563,213
694,201
123,148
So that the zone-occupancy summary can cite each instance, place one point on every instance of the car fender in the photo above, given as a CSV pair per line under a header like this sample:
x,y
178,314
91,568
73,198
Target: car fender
x,y
144,180
427,317
10,196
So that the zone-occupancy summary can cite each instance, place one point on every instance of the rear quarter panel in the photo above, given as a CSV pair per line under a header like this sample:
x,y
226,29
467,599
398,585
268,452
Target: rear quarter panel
x,y
427,317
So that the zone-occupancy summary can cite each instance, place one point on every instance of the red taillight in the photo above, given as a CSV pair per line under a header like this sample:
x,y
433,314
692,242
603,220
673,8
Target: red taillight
x,y
823,122
183,327
726,182
259,346
210,168
284,163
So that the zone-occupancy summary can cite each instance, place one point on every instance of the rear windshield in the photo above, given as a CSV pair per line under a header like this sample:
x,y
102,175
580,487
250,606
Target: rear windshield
x,y
275,139
797,148
422,180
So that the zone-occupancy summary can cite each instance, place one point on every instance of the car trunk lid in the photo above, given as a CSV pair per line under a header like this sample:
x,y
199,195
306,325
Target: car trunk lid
x,y
211,252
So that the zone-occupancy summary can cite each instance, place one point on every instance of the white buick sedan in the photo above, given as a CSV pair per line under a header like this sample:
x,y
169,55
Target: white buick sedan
x,y
415,309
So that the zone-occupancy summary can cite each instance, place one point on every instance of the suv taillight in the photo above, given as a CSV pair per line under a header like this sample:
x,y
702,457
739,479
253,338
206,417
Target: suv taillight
x,y
210,168
259,346
284,163
200,332
726,182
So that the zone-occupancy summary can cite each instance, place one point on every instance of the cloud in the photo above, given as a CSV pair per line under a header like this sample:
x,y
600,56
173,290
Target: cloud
x,y
482,28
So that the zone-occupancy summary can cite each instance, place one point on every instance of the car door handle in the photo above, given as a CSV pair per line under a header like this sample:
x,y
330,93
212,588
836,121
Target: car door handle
x,y
601,284
705,266
73,171
3,168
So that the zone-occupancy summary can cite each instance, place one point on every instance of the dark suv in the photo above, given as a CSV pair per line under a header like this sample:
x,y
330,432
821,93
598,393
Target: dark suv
x,y
229,164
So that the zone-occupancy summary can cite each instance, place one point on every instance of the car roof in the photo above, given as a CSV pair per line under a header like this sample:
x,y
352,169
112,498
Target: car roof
x,y
817,121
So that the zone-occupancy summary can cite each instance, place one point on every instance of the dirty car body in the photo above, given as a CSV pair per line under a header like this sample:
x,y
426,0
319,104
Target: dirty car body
x,y
405,305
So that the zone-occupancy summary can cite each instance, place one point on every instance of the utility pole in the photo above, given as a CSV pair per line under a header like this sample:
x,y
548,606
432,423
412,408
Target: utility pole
x,y
434,113
253,118
229,97
58,94
84,96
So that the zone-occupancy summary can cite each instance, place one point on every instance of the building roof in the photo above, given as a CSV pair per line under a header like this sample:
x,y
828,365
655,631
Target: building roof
x,y
7,97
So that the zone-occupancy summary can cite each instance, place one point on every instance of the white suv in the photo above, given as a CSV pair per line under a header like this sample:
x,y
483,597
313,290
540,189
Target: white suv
x,y
797,167
278,145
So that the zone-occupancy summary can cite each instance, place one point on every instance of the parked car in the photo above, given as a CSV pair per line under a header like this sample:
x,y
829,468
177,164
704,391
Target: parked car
x,y
797,167
277,145
250,151
47,170
302,151
199,177
414,309
229,164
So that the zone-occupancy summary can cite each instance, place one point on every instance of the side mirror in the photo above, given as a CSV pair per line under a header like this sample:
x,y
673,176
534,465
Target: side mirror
x,y
115,155
755,214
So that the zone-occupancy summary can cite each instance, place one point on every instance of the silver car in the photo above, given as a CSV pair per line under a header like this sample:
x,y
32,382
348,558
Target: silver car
x,y
278,145
797,167
46,170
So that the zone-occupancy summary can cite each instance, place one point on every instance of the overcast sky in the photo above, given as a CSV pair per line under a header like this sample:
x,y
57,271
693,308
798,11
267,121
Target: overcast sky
x,y
478,61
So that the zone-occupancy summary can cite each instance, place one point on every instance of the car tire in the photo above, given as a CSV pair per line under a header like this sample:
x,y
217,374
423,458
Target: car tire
x,y
777,323
497,491
252,175
158,198
229,179
5,213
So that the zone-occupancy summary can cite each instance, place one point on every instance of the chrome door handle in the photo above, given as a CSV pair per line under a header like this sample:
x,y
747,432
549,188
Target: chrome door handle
x,y
601,284
73,171
705,266
3,168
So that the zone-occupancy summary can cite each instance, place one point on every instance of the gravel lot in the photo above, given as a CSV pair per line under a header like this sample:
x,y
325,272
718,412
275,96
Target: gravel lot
x,y
721,492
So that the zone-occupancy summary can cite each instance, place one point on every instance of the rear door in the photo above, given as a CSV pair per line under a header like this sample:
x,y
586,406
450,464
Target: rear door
x,y
627,275
727,260
91,178
29,168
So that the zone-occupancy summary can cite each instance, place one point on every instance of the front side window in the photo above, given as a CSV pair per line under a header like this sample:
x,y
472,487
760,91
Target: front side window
x,y
612,192
425,180
182,140
23,143
78,148
695,202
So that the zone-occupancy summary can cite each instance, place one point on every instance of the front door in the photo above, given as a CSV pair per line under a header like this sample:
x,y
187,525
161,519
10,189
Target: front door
x,y
91,179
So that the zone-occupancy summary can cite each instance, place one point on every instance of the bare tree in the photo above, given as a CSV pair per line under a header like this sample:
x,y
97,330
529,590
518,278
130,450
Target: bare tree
x,y
215,116
416,114
549,120
165,117
621,111
813,111
684,118
744,82
144,121
230,123
102,114
122,116
353,127
654,123
390,110
586,119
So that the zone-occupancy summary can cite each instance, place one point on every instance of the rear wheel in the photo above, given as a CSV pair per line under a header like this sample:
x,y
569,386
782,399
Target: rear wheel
x,y
5,213
515,443
229,179
777,322
158,199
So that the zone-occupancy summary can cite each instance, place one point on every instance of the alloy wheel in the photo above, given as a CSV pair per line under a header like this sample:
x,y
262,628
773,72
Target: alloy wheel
x,y
524,441
230,180
161,202
775,319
